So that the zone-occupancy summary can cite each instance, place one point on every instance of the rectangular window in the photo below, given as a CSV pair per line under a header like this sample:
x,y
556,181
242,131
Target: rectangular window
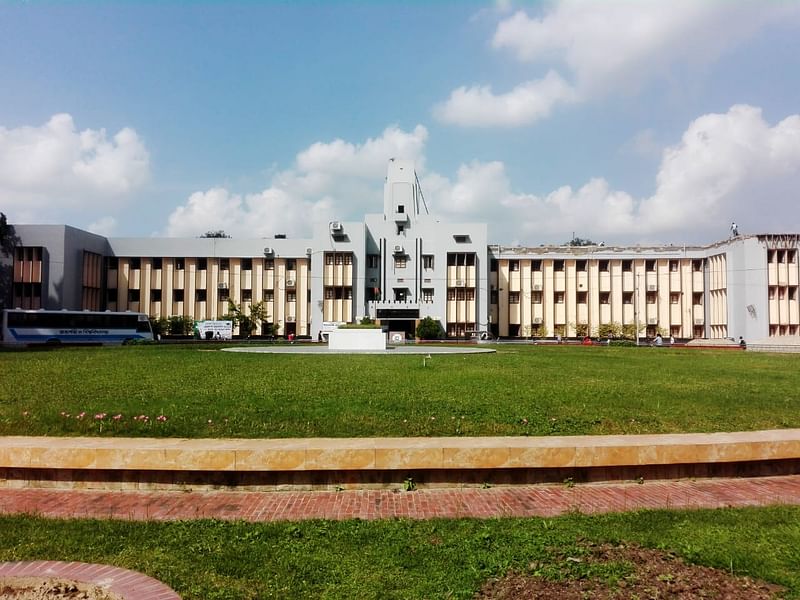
x,y
493,265
470,293
155,295
400,228
650,265
427,261
673,266
247,295
772,292
558,265
111,295
580,265
291,264
513,297
113,263
674,298
536,297
427,294
603,266
136,264
179,264
536,265
697,298
177,295
451,293
269,264
627,266
493,297
202,264
247,264
328,258
513,265
224,264
157,262
348,259
697,265
399,261
222,294
200,295
605,297
582,297
558,297
793,293
461,239
133,295
338,259
329,293
652,297
627,297
373,261
269,295
791,256
291,296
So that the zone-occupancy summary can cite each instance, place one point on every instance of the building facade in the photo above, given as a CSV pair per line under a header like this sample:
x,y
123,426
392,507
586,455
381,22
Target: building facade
x,y
403,265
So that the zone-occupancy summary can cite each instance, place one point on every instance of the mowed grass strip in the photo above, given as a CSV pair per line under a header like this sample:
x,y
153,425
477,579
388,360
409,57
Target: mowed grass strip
x,y
165,391
207,560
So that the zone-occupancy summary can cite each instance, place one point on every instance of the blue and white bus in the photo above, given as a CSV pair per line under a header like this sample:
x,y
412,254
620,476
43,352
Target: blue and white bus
x,y
29,327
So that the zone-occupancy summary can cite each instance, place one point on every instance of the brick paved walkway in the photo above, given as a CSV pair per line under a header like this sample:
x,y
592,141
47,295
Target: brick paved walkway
x,y
526,501
130,585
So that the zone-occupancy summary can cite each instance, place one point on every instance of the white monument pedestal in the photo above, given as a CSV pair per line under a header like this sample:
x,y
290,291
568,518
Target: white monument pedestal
x,y
357,339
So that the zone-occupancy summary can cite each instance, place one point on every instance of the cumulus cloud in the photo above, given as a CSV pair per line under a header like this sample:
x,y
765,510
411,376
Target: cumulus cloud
x,y
731,166
103,226
53,169
336,179
478,106
607,45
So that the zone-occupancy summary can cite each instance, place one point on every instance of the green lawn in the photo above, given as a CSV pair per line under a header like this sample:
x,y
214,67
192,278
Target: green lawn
x,y
207,560
520,390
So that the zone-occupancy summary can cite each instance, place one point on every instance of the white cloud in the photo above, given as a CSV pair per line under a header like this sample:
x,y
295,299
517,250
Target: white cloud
x,y
605,43
335,179
50,170
478,106
731,166
103,226
604,46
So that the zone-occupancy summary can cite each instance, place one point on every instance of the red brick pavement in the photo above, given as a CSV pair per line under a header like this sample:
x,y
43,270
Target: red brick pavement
x,y
127,584
528,501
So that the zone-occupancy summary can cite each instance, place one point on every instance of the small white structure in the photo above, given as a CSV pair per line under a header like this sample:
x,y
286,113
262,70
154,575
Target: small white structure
x,y
357,339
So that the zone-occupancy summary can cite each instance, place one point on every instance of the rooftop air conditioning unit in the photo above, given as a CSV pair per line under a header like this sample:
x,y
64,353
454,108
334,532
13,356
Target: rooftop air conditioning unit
x,y
652,287
698,321
290,283
336,226
398,249
290,319
309,251
459,283
537,320
537,287
652,321
268,251
222,286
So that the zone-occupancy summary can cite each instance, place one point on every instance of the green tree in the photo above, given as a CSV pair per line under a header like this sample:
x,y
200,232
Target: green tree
x,y
246,321
8,241
217,233
610,330
180,325
429,329
577,241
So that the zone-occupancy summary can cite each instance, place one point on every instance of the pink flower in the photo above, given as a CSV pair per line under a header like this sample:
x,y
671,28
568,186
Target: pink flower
x,y
80,415
24,413
161,418
100,416
117,417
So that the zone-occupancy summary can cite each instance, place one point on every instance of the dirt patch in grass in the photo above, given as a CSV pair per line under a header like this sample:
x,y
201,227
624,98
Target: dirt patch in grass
x,y
625,572
40,588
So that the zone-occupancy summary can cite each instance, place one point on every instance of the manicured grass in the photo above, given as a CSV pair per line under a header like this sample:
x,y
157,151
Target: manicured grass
x,y
209,560
521,390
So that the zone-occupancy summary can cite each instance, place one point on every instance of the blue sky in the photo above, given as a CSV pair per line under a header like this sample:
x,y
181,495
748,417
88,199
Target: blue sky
x,y
623,121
